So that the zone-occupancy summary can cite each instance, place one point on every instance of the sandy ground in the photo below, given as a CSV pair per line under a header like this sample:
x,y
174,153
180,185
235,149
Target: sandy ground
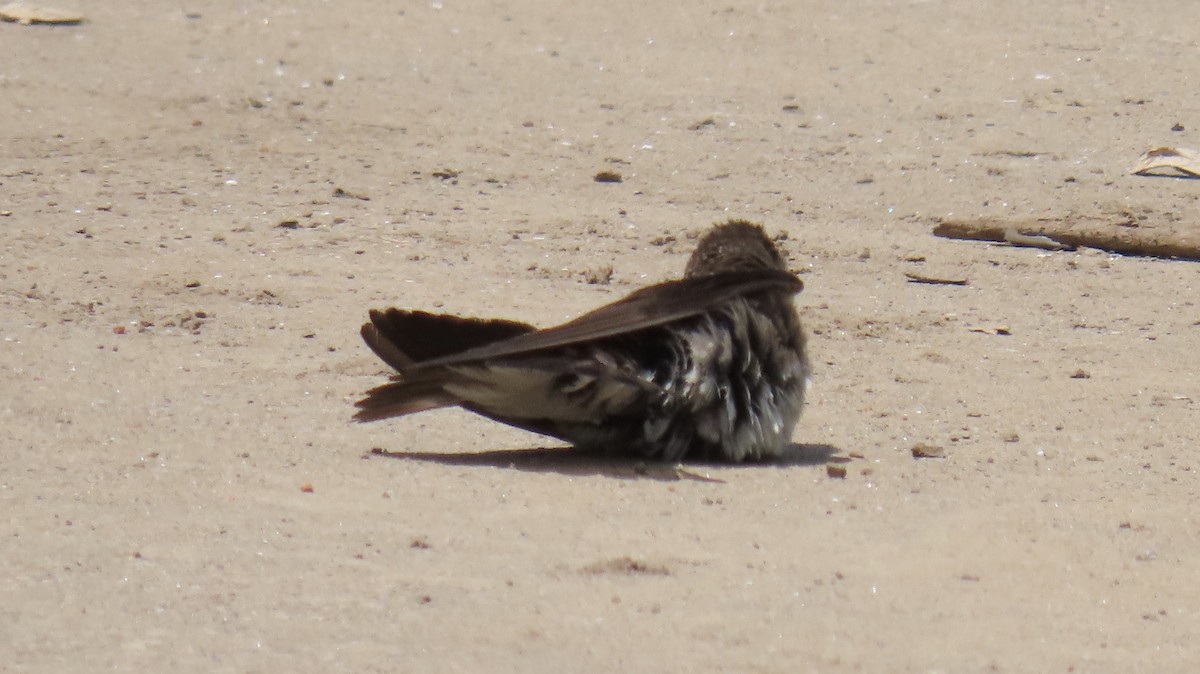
x,y
201,201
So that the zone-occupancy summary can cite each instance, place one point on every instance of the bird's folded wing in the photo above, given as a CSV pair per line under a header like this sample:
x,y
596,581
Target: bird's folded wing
x,y
646,308
403,338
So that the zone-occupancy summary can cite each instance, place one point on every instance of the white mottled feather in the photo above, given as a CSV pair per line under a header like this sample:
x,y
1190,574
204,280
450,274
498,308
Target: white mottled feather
x,y
521,392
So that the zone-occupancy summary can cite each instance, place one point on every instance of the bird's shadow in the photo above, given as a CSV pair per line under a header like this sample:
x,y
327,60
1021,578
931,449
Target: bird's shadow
x,y
578,462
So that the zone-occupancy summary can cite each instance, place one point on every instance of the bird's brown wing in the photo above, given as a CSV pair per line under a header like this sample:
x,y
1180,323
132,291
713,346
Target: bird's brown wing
x,y
403,338
645,308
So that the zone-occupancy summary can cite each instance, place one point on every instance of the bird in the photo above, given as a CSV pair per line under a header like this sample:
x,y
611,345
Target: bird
x,y
711,367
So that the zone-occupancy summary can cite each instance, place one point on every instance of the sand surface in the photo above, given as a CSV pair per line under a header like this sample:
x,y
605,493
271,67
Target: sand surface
x,y
200,202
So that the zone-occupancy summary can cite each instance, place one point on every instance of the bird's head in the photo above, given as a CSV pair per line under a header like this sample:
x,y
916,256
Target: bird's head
x,y
736,245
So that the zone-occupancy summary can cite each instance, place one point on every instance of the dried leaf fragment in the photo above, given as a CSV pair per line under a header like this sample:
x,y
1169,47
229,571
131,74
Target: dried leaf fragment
x,y
933,280
1185,162
26,13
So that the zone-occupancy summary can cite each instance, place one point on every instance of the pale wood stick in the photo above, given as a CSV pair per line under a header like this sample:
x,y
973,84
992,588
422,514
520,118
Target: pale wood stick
x,y
1114,234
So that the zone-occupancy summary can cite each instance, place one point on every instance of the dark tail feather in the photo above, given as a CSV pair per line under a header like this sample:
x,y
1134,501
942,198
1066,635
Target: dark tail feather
x,y
387,351
407,338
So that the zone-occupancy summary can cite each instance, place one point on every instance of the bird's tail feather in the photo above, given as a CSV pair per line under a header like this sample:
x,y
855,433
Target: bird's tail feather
x,y
402,397
404,339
